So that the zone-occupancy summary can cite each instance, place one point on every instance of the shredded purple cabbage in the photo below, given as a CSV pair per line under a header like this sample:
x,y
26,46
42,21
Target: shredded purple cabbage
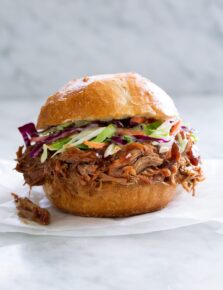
x,y
61,134
133,124
118,123
187,129
28,131
119,140
37,149
148,138
52,138
124,123
99,123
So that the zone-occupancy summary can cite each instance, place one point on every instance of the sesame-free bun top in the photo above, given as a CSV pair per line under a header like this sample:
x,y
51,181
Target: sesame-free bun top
x,y
105,97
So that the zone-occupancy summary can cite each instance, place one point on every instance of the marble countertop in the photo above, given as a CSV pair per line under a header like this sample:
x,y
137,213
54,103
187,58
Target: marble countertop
x,y
181,259
186,258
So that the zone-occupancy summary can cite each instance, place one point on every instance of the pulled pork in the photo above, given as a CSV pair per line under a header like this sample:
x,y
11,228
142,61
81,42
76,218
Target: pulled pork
x,y
28,210
135,163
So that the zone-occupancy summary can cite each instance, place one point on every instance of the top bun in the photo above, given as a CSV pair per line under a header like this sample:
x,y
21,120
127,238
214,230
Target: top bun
x,y
106,97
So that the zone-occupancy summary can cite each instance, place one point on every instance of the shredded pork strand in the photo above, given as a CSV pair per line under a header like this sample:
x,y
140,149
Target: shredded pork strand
x,y
28,210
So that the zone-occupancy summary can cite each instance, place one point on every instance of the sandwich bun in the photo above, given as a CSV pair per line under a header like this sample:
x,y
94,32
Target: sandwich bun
x,y
110,200
106,97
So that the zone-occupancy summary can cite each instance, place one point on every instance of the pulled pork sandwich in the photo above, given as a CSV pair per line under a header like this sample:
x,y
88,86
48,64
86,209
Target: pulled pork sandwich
x,y
109,146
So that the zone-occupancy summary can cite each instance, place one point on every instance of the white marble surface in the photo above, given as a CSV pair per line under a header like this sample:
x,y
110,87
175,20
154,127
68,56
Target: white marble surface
x,y
178,44
187,258
182,259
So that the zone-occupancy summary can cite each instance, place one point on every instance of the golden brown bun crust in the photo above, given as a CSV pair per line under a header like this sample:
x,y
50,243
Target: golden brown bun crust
x,y
105,97
111,200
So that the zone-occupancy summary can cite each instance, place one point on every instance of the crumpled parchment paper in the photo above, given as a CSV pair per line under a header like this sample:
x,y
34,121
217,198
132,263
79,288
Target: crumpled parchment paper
x,y
184,210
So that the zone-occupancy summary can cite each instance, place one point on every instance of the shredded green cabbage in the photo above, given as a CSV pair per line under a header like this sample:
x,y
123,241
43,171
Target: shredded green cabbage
x,y
85,135
194,137
44,154
55,129
182,143
158,129
108,132
151,128
56,146
111,149
128,139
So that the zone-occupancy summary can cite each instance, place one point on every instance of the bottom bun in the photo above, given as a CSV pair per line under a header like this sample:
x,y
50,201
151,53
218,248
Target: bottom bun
x,y
110,200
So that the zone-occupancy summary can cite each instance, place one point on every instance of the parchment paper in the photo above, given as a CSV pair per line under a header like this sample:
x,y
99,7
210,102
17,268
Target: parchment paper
x,y
184,210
